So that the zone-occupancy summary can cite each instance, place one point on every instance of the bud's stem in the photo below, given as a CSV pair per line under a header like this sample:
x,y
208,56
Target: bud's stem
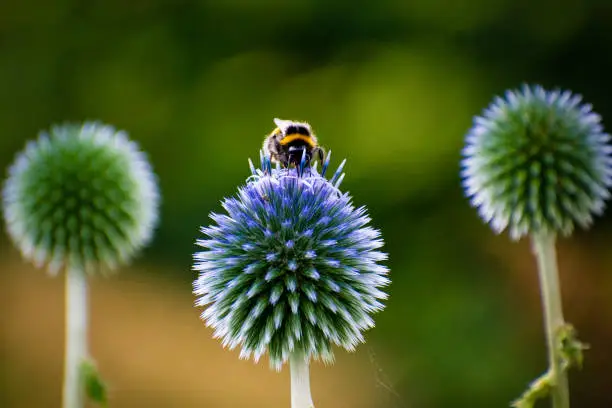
x,y
544,249
76,337
300,382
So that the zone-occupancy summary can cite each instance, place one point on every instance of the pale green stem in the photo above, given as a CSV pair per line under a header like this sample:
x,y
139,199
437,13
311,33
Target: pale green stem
x,y
300,381
544,249
76,338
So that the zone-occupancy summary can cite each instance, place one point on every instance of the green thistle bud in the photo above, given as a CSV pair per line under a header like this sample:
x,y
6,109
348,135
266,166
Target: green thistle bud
x,y
537,161
80,197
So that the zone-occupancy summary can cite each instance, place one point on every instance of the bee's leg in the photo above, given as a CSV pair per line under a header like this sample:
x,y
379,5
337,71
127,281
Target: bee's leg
x,y
321,154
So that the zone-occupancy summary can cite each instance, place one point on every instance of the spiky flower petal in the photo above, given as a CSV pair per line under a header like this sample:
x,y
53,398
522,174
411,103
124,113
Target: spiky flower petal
x,y
537,161
292,267
82,197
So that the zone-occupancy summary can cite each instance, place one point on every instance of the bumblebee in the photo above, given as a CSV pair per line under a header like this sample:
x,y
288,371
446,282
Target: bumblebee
x,y
287,143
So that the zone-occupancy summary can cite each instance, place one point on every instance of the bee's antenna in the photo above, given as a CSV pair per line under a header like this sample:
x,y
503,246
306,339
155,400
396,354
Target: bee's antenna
x,y
325,164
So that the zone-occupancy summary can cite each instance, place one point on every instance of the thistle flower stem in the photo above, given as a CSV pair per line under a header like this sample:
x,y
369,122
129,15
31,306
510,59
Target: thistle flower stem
x,y
544,249
300,382
76,337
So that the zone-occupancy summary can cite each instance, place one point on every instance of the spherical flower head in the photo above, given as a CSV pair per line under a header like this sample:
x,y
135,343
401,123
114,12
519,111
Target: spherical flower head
x,y
80,197
537,161
293,267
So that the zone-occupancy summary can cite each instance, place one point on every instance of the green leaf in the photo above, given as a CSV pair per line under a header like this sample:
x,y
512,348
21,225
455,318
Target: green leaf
x,y
95,388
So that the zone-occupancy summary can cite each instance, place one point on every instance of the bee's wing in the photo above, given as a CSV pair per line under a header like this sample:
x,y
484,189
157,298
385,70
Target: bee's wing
x,y
282,124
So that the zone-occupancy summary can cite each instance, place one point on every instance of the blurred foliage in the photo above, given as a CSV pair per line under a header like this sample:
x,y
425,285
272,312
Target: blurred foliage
x,y
390,85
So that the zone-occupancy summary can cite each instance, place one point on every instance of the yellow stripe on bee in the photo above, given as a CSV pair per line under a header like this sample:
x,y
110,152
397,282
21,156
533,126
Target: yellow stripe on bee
x,y
290,138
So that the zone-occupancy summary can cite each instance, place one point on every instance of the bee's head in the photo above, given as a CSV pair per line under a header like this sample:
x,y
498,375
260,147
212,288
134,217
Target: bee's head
x,y
295,153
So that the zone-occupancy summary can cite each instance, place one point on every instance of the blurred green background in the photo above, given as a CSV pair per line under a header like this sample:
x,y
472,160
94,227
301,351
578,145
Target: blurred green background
x,y
390,85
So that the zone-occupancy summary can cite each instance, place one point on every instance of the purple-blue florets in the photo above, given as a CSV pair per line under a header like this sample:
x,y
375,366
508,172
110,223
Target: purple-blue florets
x,y
291,267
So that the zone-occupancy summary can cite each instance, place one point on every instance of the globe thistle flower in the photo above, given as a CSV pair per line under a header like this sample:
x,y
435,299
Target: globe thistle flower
x,y
80,197
292,268
537,161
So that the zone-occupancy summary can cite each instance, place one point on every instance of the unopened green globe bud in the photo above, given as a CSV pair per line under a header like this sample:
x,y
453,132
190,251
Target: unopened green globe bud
x,y
537,161
81,196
